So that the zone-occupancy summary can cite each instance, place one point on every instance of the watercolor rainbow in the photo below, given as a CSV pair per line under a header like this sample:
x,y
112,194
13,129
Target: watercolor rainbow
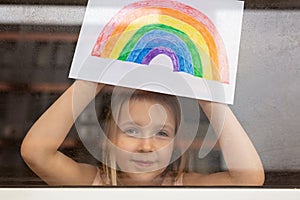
x,y
145,29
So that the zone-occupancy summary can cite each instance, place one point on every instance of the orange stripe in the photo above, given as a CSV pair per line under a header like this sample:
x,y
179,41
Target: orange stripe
x,y
173,13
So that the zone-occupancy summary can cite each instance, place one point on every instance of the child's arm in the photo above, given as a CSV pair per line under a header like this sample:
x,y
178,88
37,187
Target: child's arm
x,y
40,146
243,163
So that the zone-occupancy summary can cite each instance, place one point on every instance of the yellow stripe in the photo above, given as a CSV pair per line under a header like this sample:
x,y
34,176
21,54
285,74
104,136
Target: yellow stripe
x,y
194,35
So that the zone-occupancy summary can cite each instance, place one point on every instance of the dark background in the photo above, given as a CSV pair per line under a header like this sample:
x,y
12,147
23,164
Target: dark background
x,y
249,4
34,66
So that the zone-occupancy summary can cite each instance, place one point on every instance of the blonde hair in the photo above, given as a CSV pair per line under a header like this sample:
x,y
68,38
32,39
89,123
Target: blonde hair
x,y
106,119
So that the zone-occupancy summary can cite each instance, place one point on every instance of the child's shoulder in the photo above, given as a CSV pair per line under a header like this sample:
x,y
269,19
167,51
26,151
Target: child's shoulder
x,y
191,175
193,178
101,178
184,179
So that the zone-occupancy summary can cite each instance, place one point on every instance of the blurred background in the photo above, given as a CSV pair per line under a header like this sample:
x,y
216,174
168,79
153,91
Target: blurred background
x,y
37,43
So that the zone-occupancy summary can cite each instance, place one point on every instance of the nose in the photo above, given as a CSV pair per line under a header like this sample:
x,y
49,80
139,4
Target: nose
x,y
146,145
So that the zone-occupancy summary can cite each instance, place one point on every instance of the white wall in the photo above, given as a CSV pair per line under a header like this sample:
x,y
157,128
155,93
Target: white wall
x,y
267,100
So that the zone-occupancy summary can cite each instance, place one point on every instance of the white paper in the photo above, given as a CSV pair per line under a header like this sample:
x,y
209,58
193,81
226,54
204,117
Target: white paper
x,y
175,47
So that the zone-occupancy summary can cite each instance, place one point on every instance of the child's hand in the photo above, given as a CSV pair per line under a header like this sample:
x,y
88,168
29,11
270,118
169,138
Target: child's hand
x,y
89,85
214,111
209,104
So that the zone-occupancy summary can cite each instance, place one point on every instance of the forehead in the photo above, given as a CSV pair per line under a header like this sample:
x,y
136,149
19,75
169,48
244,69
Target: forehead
x,y
145,110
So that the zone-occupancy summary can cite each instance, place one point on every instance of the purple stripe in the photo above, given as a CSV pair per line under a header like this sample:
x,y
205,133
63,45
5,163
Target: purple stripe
x,y
162,50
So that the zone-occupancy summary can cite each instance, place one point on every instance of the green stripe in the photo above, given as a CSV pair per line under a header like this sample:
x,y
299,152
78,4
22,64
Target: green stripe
x,y
197,64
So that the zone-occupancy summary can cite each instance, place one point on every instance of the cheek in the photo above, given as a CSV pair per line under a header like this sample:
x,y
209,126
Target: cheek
x,y
125,143
122,149
164,144
165,151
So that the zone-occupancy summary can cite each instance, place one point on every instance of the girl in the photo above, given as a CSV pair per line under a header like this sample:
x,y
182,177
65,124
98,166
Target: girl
x,y
140,143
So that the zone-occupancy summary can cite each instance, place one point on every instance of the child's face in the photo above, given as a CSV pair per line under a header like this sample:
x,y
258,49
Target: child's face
x,y
145,138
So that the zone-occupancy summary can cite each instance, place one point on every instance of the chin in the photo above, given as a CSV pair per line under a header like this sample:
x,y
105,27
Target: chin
x,y
146,178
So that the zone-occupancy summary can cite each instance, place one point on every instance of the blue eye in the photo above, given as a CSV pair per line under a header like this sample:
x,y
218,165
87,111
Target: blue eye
x,y
163,134
131,132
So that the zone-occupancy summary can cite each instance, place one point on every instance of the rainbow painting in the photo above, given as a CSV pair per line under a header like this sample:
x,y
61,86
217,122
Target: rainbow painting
x,y
187,48
142,30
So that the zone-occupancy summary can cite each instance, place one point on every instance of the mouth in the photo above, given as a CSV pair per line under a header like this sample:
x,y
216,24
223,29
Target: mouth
x,y
143,163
